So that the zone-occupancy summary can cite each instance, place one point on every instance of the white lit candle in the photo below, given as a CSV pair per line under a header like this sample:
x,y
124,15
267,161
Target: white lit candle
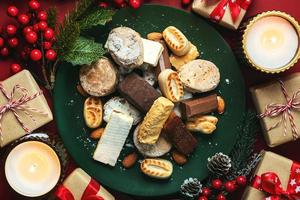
x,y
271,42
32,168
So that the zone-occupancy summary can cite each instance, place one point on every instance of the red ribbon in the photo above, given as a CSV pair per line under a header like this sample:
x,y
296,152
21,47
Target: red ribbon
x,y
90,193
270,183
235,7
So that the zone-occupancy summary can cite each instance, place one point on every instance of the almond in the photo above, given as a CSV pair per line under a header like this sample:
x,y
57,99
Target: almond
x,y
154,36
81,91
130,160
97,133
179,158
221,105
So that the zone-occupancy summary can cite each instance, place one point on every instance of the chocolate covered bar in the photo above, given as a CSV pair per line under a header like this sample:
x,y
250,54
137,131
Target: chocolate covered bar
x,y
138,92
164,60
202,105
179,136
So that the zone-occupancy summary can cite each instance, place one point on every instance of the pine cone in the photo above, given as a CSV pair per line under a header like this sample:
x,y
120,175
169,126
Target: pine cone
x,y
191,187
219,164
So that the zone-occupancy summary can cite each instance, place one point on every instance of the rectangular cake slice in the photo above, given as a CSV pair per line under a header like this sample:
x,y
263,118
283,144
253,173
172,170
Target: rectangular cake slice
x,y
152,51
113,138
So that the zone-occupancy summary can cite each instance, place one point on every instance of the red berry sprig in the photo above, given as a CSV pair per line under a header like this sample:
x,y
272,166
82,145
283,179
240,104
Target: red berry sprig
x,y
135,4
15,68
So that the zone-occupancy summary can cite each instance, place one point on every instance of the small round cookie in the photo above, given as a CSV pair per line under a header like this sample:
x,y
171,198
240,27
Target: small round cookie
x,y
199,76
100,78
160,148
121,105
126,47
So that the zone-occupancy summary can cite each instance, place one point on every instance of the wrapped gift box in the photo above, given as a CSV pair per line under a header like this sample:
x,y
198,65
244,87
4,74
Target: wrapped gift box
x,y
33,113
80,186
207,8
271,93
274,168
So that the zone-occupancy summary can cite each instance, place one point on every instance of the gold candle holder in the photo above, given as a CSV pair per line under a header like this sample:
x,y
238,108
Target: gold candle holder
x,y
245,30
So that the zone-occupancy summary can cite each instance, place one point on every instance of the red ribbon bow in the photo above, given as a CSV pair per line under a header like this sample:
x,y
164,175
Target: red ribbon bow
x,y
18,104
273,110
235,7
270,183
90,193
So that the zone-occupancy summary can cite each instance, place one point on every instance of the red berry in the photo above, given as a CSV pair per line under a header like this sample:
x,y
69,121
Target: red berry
x,y
202,198
216,184
51,55
1,42
103,4
31,37
135,3
26,51
27,29
47,45
34,5
123,5
230,186
48,34
12,11
206,192
241,180
185,2
36,27
43,25
221,197
11,30
13,42
4,52
23,19
119,3
35,55
42,16
15,68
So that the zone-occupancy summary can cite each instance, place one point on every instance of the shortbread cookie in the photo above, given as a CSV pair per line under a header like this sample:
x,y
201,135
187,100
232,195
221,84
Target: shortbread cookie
x,y
179,61
160,148
154,120
119,104
157,168
176,41
126,47
100,78
170,85
113,139
199,76
92,112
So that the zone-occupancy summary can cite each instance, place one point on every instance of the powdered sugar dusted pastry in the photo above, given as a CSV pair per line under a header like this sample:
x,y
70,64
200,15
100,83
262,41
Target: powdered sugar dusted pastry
x,y
170,85
199,76
157,168
176,41
100,78
118,104
126,47
161,147
149,76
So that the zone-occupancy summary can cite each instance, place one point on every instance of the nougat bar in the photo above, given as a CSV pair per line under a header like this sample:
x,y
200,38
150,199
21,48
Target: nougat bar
x,y
138,92
179,136
202,105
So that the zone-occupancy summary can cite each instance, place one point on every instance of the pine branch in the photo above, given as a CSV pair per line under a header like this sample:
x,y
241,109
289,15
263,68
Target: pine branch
x,y
82,7
243,148
84,51
52,17
97,17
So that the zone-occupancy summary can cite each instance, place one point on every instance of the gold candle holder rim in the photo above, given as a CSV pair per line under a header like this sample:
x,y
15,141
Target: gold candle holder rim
x,y
290,19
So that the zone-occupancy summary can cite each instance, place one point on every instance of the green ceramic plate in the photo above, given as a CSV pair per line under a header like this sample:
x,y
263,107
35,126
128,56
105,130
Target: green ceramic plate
x,y
69,104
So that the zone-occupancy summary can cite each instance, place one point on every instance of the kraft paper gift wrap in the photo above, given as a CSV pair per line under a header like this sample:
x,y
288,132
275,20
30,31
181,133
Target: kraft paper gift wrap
x,y
11,128
272,93
270,162
206,7
78,181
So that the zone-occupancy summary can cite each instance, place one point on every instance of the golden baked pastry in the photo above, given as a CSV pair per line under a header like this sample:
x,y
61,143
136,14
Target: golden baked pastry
x,y
154,120
170,85
176,41
92,112
99,78
204,124
179,61
157,168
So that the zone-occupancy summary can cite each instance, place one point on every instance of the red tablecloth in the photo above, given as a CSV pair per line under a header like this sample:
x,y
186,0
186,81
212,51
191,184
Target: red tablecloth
x,y
251,76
